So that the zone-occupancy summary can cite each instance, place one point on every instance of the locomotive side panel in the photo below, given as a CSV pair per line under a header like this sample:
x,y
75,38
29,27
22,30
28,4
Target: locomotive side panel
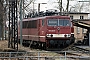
x,y
30,30
33,34
25,34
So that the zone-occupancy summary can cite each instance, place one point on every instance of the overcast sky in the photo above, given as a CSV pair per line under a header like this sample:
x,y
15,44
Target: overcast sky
x,y
51,4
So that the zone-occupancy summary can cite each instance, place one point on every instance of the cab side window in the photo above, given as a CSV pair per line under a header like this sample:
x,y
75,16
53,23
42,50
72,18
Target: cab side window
x,y
43,22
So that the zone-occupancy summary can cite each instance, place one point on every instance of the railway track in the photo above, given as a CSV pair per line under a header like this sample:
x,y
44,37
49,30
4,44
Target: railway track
x,y
68,50
74,50
73,47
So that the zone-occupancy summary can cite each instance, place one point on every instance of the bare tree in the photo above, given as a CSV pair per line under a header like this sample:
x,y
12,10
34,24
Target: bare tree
x,y
79,7
29,5
60,7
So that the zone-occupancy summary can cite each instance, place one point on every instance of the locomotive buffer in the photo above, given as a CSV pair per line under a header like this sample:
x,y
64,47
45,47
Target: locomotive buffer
x,y
81,24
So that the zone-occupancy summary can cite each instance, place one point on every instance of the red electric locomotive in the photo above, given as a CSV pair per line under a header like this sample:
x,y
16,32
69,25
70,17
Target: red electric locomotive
x,y
48,31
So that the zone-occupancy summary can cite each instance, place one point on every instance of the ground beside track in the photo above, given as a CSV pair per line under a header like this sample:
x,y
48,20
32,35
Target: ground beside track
x,y
4,46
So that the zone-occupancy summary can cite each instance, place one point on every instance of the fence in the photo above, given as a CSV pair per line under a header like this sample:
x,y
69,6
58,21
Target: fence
x,y
40,55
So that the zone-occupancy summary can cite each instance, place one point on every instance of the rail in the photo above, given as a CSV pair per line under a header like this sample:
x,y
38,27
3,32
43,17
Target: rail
x,y
40,55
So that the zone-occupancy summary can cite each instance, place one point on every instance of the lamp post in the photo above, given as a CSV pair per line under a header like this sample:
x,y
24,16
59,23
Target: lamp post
x,y
39,6
21,22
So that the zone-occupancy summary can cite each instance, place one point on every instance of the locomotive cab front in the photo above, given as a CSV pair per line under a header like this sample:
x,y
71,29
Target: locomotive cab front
x,y
59,32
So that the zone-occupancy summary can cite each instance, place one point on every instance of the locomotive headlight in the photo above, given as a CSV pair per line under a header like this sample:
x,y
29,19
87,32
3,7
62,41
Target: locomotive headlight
x,y
48,35
69,35
51,35
65,35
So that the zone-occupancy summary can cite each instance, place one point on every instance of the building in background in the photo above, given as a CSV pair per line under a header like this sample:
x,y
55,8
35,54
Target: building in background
x,y
78,31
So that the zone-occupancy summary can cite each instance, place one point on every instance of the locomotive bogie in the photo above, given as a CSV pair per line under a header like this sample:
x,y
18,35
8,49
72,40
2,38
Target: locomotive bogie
x,y
58,42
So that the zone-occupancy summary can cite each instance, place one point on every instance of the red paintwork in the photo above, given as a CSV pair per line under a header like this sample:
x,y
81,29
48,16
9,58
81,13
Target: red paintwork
x,y
34,33
63,30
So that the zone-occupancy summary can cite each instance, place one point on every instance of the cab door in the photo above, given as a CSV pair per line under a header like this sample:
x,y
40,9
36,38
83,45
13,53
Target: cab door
x,y
42,29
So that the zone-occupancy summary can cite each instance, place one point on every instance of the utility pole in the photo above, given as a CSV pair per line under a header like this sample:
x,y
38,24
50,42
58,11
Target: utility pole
x,y
38,7
23,9
67,6
1,20
21,22
60,6
13,25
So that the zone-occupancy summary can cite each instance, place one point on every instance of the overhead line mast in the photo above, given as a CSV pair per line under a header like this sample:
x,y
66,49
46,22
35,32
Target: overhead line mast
x,y
13,25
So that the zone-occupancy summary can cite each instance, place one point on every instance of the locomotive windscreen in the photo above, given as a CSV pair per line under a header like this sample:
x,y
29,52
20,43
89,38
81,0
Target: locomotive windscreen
x,y
59,22
52,22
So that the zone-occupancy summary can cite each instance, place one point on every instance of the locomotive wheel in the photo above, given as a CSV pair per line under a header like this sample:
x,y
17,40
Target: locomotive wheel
x,y
44,46
72,40
40,45
66,45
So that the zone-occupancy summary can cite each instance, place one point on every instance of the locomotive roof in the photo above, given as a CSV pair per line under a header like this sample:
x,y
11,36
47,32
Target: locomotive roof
x,y
44,17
